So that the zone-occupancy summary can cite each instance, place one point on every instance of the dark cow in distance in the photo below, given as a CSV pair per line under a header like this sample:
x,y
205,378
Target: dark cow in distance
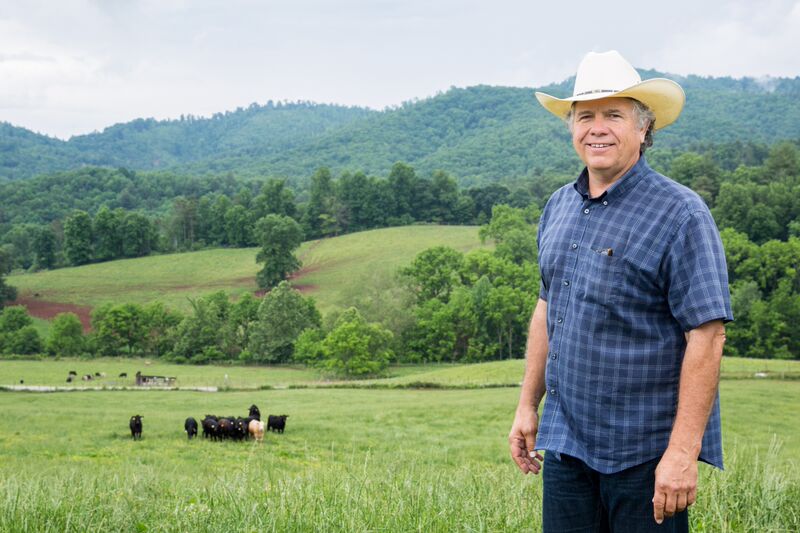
x,y
73,373
276,423
190,426
123,374
210,427
136,427
254,412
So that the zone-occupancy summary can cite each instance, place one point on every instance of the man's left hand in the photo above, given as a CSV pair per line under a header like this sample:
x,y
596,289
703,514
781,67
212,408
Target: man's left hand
x,y
676,483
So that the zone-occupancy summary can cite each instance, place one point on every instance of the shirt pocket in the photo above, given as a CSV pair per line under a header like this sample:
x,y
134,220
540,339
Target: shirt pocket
x,y
602,274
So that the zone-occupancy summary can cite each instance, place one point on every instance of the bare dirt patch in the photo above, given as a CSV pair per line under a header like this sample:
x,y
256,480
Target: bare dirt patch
x,y
48,310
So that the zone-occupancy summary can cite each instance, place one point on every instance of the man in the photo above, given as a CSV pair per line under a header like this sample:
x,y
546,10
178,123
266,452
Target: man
x,y
626,337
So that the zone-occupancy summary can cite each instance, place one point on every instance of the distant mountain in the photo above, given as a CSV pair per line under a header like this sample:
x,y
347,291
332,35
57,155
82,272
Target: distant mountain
x,y
478,134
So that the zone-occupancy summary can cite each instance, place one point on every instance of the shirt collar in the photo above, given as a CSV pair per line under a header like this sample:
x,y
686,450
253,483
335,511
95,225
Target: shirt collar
x,y
618,188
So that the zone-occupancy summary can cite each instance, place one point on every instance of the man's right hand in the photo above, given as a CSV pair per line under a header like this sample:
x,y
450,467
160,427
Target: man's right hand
x,y
522,440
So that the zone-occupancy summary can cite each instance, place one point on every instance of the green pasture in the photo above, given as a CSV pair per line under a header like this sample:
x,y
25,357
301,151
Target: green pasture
x,y
510,372
334,270
50,372
350,460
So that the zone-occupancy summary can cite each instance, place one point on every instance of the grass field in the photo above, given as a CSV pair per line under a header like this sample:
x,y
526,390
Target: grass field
x,y
506,373
332,270
350,460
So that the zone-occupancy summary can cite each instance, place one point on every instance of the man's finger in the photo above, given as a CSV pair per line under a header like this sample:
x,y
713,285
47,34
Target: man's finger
x,y
519,454
681,502
670,504
692,497
658,506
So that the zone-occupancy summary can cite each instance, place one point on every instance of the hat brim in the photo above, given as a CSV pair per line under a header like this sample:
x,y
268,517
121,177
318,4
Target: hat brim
x,y
664,97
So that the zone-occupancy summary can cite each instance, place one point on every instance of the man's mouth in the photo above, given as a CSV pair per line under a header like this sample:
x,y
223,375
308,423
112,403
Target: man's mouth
x,y
599,145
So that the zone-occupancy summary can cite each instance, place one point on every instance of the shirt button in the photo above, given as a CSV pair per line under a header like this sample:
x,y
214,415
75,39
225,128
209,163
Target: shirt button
x,y
560,320
554,356
586,211
605,202
553,392
574,245
566,283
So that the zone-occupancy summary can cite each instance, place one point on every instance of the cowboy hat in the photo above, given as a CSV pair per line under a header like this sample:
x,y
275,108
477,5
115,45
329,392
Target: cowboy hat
x,y
608,74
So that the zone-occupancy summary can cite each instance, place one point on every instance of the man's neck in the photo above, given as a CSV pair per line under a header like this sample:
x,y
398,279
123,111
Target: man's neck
x,y
600,182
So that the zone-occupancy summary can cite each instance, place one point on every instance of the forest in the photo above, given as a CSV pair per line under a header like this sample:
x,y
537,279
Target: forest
x,y
478,134
451,306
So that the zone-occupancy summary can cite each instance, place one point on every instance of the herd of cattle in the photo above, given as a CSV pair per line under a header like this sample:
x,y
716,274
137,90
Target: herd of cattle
x,y
89,377
224,427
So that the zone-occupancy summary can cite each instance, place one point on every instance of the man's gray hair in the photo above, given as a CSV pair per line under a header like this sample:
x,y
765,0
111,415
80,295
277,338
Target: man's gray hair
x,y
643,115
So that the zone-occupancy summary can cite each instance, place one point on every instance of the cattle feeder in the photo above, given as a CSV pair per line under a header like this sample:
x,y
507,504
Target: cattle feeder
x,y
143,380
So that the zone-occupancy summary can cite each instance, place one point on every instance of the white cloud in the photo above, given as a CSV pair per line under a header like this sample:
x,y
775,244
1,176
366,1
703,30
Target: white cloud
x,y
74,66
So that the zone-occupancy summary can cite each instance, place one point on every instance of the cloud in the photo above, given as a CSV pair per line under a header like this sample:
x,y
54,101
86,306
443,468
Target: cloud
x,y
748,39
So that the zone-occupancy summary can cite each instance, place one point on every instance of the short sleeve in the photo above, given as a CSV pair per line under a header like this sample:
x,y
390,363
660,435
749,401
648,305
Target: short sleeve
x,y
696,273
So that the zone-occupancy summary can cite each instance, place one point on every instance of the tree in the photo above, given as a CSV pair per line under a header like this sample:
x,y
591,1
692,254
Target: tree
x,y
159,326
107,233
514,236
283,314
183,225
320,196
7,292
139,236
78,238
275,199
44,248
243,315
66,335
117,327
278,236
403,184
199,336
434,272
25,341
354,348
17,334
238,226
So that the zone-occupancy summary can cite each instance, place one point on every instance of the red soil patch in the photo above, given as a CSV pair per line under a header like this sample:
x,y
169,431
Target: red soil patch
x,y
48,310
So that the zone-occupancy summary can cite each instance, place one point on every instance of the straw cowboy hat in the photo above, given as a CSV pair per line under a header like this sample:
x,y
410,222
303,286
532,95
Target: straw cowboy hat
x,y
608,74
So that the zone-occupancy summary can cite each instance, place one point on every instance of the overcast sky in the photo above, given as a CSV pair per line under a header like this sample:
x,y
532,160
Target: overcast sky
x,y
74,66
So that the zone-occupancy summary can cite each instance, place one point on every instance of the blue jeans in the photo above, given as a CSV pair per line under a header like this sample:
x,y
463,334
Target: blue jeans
x,y
580,499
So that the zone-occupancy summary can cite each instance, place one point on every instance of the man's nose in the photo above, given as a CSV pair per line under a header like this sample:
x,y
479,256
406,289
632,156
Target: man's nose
x,y
598,126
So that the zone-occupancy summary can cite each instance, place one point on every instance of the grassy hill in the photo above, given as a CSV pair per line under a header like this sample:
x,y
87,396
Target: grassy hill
x,y
334,271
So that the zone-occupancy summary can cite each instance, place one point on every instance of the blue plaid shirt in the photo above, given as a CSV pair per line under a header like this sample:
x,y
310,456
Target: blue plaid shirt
x,y
625,275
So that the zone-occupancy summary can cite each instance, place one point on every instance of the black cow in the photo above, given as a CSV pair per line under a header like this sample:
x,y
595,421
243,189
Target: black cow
x,y
240,428
225,428
210,427
69,379
87,377
73,373
97,374
254,413
136,427
190,426
276,423
123,374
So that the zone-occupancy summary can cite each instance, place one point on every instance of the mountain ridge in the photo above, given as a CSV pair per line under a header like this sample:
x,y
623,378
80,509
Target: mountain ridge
x,y
481,132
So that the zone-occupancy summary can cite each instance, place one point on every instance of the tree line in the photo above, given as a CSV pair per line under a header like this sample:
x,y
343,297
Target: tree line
x,y
330,206
445,305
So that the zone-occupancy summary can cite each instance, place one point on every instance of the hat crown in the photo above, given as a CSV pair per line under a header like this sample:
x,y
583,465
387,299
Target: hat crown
x,y
605,72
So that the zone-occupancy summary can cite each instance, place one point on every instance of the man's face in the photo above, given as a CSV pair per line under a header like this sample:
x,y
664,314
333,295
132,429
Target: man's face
x,y
606,137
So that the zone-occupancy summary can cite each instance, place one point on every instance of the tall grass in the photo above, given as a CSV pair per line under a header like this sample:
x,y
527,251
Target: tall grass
x,y
363,493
